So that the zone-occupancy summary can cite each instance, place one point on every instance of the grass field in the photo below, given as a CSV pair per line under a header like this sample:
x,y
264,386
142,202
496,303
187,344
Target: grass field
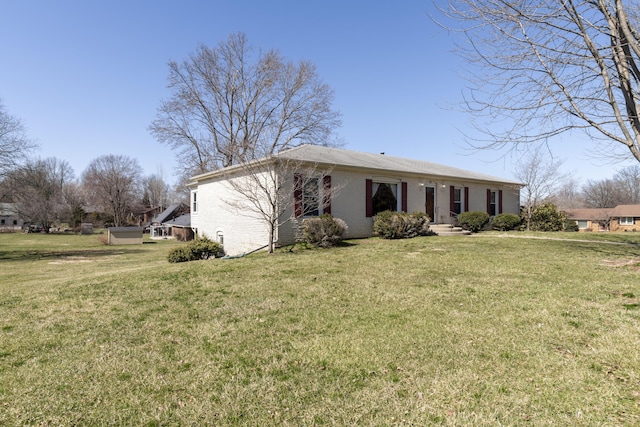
x,y
479,330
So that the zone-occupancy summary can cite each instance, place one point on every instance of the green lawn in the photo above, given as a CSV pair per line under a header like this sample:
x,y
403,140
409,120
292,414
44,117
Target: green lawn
x,y
478,330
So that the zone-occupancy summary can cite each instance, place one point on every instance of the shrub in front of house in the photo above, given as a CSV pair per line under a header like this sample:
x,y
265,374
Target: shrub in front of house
x,y
506,222
323,231
571,226
181,254
401,225
197,249
547,217
473,221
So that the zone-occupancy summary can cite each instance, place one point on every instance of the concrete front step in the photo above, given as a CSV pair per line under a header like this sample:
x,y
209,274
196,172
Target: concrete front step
x,y
448,230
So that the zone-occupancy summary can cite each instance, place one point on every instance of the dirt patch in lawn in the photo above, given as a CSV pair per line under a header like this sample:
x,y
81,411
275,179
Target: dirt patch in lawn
x,y
622,262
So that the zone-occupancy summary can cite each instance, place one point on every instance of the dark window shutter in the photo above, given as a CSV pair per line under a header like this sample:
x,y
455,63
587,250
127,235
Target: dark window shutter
x,y
326,194
297,195
499,201
452,195
404,197
368,194
489,201
466,199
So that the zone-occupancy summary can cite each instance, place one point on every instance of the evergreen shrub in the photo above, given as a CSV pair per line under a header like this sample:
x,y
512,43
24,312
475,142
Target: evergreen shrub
x,y
547,217
571,226
473,221
506,222
197,249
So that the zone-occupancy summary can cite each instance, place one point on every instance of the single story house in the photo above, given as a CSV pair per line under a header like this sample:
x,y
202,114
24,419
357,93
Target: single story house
x,y
9,218
625,218
590,219
620,218
180,228
228,205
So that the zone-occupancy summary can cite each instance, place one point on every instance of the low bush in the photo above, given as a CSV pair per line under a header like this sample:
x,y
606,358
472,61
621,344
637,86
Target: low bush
x,y
323,231
181,254
506,222
197,249
571,226
473,221
401,225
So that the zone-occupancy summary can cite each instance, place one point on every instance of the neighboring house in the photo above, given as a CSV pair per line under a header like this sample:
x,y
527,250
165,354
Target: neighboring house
x,y
160,227
620,218
595,219
180,228
625,218
144,216
9,219
367,183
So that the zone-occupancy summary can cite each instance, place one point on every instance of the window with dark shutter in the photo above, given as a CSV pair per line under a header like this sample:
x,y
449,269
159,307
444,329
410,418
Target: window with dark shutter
x,y
368,195
492,202
466,199
297,195
311,198
384,196
456,200
404,197
326,194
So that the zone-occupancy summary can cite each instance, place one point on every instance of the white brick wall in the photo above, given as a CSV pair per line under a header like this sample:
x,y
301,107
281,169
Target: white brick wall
x,y
242,229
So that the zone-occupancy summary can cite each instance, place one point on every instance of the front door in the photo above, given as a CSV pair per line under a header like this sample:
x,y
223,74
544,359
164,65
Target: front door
x,y
430,204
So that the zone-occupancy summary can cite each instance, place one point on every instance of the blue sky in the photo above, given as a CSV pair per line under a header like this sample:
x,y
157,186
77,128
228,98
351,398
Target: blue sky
x,y
86,77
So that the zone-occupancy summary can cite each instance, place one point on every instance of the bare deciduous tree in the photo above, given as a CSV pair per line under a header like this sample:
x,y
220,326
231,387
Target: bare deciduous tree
x,y
38,190
542,177
112,182
568,195
75,201
548,67
628,183
231,105
601,194
14,144
156,191
623,188
280,191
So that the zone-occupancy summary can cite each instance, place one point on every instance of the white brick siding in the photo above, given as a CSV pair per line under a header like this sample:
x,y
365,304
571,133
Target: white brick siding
x,y
242,229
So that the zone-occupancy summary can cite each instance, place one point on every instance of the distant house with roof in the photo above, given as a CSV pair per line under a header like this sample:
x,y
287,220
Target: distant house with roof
x,y
590,219
144,216
368,183
173,219
625,218
180,228
620,218
9,219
